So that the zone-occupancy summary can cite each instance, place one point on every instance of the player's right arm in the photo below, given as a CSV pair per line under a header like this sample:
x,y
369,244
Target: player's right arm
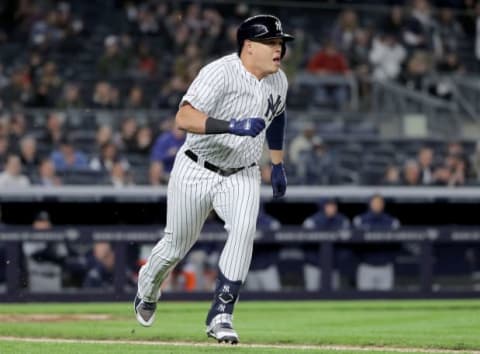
x,y
191,119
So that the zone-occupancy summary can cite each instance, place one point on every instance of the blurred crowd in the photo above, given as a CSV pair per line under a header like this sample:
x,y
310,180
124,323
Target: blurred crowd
x,y
317,160
145,53
412,42
49,156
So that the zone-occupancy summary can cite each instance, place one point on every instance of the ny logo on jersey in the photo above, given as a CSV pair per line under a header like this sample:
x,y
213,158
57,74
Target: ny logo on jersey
x,y
273,107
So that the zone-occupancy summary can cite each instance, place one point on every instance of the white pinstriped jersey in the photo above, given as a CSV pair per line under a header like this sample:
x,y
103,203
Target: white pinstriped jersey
x,y
224,89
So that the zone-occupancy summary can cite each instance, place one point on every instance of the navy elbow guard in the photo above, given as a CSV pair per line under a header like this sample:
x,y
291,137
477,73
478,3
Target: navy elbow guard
x,y
276,132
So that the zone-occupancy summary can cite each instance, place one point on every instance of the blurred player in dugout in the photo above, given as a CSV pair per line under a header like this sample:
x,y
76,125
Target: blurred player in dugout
x,y
327,218
376,270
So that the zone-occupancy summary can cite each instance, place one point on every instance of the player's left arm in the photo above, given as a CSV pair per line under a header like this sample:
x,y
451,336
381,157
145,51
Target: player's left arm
x,y
276,138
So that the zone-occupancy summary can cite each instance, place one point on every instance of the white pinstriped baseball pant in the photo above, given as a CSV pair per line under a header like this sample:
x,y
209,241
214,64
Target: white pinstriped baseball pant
x,y
193,191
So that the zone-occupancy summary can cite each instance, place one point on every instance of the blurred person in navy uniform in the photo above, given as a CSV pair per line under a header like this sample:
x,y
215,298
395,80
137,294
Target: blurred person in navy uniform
x,y
376,218
100,266
264,274
44,259
328,218
51,266
375,270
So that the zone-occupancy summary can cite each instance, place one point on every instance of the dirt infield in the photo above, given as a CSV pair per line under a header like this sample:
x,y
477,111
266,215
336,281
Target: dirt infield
x,y
42,317
288,347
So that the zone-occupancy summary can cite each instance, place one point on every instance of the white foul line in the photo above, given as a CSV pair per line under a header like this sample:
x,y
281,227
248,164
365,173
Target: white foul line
x,y
252,345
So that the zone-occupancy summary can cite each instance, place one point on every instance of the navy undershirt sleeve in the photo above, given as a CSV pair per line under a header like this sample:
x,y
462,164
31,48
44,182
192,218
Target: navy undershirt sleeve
x,y
276,132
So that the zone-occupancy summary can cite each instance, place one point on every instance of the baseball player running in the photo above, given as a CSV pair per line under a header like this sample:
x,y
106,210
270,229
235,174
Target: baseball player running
x,y
229,109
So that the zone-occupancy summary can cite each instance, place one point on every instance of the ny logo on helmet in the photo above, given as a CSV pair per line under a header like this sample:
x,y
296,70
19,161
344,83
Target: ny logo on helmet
x,y
278,26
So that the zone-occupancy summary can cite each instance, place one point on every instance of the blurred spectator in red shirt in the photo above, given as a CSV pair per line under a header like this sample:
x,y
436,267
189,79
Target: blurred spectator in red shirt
x,y
145,64
328,61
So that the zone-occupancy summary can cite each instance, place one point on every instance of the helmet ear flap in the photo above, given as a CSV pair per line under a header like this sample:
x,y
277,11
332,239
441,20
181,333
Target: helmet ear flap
x,y
284,50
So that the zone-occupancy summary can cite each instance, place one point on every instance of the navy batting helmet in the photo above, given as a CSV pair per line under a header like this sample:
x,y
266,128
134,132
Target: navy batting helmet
x,y
262,27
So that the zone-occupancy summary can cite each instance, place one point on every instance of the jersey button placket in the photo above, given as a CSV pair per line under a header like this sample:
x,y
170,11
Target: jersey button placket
x,y
260,97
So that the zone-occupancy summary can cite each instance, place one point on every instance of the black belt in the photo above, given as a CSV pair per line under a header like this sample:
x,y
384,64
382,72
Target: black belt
x,y
210,166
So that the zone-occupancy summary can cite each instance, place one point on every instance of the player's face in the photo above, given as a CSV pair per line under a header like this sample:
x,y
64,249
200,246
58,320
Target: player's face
x,y
267,54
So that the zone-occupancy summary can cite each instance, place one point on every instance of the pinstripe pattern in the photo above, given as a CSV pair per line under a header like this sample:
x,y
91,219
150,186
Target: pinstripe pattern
x,y
223,90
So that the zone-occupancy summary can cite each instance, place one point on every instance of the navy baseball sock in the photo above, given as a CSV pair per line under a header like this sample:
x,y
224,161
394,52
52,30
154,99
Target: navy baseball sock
x,y
226,294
